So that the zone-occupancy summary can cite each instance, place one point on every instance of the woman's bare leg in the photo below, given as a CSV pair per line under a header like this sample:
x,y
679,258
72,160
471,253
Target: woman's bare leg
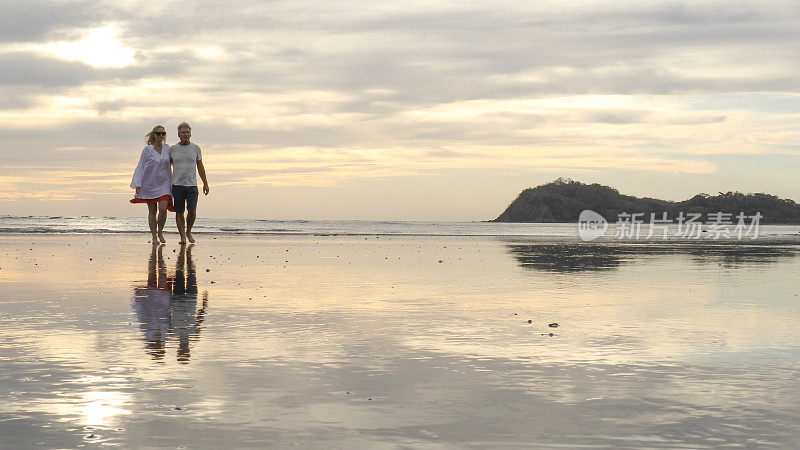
x,y
151,220
162,219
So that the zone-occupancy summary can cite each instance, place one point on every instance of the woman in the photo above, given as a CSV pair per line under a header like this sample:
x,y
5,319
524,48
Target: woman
x,y
152,180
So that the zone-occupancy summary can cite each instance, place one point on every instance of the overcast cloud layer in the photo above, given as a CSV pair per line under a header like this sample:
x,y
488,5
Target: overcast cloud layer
x,y
332,109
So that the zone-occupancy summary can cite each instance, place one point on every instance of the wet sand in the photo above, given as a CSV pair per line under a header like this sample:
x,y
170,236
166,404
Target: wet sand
x,y
385,342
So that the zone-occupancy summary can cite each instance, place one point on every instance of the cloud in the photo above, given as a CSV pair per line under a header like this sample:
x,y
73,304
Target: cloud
x,y
26,69
381,90
33,20
34,183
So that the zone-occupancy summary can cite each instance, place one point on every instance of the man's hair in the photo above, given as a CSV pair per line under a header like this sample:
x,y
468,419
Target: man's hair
x,y
184,125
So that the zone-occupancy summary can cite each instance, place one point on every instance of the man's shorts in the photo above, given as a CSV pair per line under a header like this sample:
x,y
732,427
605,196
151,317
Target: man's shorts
x,y
185,197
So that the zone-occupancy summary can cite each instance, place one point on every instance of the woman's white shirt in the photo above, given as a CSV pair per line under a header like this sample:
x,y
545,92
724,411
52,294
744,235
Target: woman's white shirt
x,y
153,174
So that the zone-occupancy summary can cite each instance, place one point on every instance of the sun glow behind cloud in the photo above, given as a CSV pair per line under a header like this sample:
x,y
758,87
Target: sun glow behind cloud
x,y
99,47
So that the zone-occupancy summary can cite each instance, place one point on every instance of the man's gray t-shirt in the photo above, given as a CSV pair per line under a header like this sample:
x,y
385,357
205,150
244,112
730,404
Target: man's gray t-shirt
x,y
184,163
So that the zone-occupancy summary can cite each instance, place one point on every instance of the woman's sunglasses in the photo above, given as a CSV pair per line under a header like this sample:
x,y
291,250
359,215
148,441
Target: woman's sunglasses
x,y
160,133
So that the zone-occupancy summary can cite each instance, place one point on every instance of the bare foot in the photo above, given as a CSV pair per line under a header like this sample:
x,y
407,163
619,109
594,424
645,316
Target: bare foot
x,y
161,238
154,239
182,241
189,236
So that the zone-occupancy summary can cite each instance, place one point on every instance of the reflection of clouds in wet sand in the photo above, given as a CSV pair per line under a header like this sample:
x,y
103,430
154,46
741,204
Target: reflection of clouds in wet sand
x,y
167,307
625,304
577,257
373,343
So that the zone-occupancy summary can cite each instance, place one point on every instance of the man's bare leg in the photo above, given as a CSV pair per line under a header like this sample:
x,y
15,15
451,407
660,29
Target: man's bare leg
x,y
181,222
151,220
162,219
190,216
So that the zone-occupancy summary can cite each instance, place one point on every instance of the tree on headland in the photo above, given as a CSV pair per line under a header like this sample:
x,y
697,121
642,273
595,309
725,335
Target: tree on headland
x,y
562,201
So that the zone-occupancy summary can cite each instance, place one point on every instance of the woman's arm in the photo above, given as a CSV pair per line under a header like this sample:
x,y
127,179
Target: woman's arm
x,y
136,181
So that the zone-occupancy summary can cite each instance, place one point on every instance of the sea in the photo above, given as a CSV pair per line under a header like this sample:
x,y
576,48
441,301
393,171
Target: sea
x,y
529,231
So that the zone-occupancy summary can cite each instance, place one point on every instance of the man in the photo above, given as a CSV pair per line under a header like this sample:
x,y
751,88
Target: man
x,y
185,157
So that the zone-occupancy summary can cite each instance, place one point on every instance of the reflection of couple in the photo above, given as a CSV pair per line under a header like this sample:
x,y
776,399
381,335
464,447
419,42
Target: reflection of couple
x,y
168,307
159,187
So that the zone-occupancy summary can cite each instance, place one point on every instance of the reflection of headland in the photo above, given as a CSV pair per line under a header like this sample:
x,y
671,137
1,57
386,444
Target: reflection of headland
x,y
167,306
577,257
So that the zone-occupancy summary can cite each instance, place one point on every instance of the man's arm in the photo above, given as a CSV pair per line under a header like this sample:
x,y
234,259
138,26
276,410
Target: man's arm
x,y
202,171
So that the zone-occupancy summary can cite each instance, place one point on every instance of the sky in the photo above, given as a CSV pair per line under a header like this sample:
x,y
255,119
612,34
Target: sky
x,y
410,110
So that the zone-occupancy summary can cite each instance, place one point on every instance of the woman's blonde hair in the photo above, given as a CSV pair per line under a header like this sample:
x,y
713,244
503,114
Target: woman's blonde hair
x,y
150,137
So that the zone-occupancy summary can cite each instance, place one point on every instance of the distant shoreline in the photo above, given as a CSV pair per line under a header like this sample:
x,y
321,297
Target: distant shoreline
x,y
563,201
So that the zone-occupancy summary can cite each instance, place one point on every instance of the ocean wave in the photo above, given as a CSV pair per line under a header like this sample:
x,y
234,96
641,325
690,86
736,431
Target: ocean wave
x,y
241,232
29,225
50,230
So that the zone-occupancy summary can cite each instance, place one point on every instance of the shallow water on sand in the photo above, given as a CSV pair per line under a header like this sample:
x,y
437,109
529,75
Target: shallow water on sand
x,y
424,342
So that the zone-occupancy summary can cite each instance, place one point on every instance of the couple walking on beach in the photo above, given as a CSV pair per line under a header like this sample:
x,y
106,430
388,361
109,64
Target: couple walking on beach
x,y
165,179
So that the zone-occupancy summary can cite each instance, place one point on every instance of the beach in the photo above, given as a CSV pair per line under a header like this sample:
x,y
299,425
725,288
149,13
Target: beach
x,y
410,341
